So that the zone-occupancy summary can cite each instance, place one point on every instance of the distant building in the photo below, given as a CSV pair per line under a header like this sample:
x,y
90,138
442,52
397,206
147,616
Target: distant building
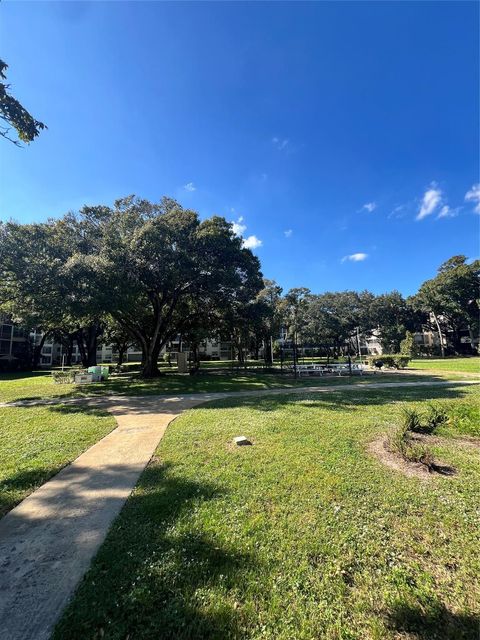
x,y
16,345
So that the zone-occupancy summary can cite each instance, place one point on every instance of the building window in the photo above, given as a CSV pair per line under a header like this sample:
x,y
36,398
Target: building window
x,y
4,346
5,331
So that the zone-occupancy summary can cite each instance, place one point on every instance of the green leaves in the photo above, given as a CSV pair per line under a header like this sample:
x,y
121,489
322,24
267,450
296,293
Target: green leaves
x,y
15,115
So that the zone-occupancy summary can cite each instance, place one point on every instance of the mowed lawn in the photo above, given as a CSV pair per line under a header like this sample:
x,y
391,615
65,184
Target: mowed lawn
x,y
467,365
36,442
40,385
304,535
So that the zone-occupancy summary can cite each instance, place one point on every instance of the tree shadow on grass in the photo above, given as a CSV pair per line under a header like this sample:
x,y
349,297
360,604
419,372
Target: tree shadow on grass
x,y
150,578
435,623
14,488
340,400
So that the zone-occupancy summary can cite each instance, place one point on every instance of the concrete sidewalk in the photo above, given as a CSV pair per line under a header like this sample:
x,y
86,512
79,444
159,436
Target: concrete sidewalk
x,y
48,541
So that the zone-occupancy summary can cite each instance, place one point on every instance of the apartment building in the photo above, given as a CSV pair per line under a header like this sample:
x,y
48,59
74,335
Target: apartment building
x,y
14,343
17,343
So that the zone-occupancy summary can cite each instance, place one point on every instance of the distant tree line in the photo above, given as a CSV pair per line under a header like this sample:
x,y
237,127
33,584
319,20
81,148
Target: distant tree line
x,y
447,305
142,273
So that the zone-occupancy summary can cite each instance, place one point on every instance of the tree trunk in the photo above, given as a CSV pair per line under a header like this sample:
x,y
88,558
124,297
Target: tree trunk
x,y
121,354
267,353
92,339
37,351
440,336
81,347
69,352
150,355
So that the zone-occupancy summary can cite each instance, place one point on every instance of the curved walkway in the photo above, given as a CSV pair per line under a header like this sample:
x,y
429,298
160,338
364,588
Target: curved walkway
x,y
48,541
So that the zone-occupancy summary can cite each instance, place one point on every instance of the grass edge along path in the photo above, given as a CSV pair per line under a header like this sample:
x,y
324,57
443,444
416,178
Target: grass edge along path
x,y
37,442
16,387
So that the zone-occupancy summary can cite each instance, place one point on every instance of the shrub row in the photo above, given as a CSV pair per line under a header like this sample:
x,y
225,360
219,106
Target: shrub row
x,y
395,361
67,376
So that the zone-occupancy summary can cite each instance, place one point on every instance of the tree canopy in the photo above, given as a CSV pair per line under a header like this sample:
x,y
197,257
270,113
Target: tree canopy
x,y
452,298
143,273
155,268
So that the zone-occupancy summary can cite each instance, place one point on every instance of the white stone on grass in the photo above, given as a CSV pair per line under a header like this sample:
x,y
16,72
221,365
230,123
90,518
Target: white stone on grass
x,y
241,440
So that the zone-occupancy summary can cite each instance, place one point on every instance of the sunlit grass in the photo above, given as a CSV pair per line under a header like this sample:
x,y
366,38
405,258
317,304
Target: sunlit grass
x,y
302,535
36,442
40,385
467,365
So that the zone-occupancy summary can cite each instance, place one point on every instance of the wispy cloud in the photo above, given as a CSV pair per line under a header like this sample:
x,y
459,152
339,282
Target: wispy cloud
x,y
252,242
474,196
239,227
355,257
447,212
190,186
399,211
370,206
432,198
288,233
280,143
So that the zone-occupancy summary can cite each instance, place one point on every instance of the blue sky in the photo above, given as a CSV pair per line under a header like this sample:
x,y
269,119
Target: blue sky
x,y
342,136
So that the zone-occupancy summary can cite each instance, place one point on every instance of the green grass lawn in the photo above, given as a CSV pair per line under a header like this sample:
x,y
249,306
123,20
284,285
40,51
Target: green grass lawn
x,y
467,365
36,442
40,385
304,535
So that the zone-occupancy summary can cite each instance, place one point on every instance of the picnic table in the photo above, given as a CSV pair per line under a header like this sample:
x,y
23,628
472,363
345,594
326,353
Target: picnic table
x,y
327,369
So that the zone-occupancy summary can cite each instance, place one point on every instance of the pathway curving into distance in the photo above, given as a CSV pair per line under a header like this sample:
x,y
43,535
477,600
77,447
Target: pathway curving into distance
x,y
48,541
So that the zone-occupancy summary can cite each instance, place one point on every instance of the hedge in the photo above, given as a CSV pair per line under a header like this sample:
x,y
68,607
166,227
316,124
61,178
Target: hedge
x,y
395,361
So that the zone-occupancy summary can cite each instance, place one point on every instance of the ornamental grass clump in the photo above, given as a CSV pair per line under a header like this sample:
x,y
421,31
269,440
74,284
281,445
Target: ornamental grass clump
x,y
435,417
426,423
412,420
402,443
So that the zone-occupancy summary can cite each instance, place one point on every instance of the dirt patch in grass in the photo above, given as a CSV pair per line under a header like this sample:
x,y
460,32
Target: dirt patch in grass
x,y
462,441
380,449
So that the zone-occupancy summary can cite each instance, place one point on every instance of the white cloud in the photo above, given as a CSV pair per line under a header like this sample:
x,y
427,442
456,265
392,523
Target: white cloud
x,y
239,228
288,233
190,187
446,212
432,198
370,206
474,196
252,242
280,143
355,257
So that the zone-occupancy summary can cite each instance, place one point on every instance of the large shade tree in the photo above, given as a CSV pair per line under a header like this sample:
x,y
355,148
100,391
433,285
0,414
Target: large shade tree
x,y
269,317
163,268
30,278
156,269
45,284
451,299
392,316
332,319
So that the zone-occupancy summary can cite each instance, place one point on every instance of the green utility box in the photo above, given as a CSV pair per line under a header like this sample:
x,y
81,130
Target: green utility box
x,y
99,373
